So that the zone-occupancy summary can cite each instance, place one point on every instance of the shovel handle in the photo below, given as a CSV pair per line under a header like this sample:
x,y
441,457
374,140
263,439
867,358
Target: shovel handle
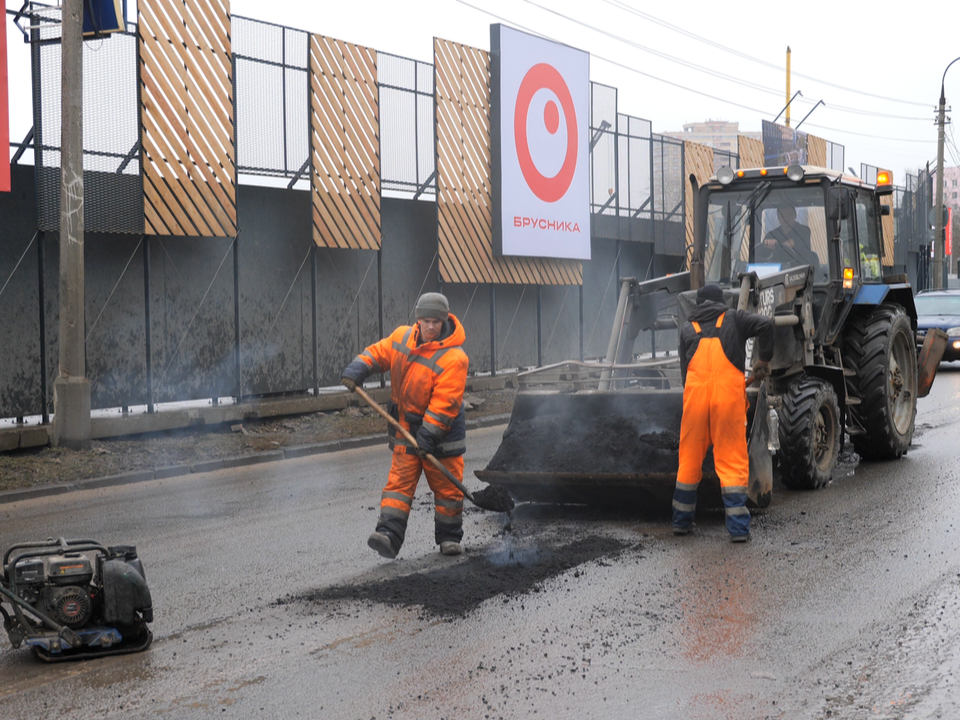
x,y
410,439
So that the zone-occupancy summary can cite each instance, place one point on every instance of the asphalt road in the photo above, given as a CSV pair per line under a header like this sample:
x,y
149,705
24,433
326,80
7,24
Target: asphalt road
x,y
843,605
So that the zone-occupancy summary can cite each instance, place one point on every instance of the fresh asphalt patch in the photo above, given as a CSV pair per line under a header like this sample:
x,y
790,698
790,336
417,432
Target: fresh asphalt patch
x,y
509,570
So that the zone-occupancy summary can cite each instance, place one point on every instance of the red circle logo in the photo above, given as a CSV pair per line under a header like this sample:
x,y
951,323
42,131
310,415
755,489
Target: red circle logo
x,y
543,76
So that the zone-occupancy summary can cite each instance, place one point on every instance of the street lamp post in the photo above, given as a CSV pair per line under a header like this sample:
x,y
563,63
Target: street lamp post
x,y
938,242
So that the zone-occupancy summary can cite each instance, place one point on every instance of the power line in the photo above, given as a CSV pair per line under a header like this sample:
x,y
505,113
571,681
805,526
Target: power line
x,y
647,16
709,71
668,82
876,137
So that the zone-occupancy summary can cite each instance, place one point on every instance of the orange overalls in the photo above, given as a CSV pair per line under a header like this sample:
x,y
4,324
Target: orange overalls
x,y
714,412
427,382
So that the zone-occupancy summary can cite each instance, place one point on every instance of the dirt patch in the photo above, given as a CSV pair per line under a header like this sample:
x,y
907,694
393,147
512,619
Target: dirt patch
x,y
510,570
46,466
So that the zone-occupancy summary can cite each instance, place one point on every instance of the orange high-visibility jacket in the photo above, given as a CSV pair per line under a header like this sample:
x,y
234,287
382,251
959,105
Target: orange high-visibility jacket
x,y
427,383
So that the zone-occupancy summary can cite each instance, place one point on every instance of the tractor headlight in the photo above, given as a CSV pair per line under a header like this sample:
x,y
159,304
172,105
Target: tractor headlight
x,y
953,332
795,173
725,175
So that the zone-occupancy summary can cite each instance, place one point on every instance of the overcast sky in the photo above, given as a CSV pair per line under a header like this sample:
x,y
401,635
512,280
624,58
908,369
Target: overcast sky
x,y
876,66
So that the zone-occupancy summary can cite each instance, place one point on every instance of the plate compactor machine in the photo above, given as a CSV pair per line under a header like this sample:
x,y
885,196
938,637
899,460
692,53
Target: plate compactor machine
x,y
800,244
75,599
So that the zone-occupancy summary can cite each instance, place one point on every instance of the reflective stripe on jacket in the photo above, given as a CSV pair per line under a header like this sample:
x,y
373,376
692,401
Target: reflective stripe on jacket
x,y
427,383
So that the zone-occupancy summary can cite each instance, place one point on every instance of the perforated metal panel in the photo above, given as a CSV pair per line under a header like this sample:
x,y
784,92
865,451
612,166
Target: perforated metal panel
x,y
271,97
113,191
407,157
634,136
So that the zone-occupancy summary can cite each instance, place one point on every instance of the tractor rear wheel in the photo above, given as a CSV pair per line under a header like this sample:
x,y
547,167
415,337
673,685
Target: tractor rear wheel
x,y
881,350
810,434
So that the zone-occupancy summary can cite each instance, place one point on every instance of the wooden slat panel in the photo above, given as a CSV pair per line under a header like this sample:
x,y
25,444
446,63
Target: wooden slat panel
x,y
816,151
187,130
750,151
697,161
464,187
345,144
887,227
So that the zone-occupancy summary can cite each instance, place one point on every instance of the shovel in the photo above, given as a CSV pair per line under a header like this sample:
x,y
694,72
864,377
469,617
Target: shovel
x,y
495,497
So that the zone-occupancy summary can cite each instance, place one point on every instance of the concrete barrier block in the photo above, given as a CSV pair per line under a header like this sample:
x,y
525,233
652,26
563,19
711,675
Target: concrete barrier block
x,y
9,440
34,436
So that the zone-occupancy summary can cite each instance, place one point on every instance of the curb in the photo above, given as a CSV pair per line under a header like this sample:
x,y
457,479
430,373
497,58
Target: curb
x,y
290,453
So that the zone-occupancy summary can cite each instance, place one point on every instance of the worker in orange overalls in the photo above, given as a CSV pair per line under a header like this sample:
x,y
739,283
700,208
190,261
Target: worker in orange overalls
x,y
428,376
712,358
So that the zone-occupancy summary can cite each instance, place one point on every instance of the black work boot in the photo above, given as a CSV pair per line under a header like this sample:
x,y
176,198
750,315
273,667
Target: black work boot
x,y
383,544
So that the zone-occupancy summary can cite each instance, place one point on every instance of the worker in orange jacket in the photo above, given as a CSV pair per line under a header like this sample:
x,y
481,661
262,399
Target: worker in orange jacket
x,y
712,358
428,375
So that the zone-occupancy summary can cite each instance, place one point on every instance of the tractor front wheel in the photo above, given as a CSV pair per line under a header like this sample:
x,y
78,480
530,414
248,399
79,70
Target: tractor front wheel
x,y
810,434
882,352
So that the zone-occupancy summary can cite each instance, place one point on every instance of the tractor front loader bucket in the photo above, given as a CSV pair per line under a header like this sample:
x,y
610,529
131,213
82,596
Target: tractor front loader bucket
x,y
612,447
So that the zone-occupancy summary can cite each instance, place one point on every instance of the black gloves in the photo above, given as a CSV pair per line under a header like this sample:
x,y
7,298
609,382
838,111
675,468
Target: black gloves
x,y
426,442
348,384
761,370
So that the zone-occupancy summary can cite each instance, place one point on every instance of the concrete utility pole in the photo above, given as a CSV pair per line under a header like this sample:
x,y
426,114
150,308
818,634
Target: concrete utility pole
x,y
71,389
789,99
938,238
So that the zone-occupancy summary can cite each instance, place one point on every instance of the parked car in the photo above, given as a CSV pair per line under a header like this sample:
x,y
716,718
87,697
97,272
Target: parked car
x,y
940,309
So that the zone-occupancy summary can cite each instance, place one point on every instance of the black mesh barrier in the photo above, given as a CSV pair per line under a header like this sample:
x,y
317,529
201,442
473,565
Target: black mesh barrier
x,y
271,96
407,154
112,184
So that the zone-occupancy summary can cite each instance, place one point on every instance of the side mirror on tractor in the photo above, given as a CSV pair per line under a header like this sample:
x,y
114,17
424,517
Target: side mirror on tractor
x,y
838,208
838,203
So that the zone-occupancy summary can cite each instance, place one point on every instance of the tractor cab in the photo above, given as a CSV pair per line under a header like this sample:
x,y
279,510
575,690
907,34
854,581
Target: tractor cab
x,y
768,220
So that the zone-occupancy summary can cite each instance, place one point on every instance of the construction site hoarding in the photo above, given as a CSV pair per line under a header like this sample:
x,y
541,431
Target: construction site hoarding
x,y
540,98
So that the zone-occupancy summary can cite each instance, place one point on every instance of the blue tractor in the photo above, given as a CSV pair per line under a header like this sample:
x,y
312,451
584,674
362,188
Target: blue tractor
x,y
801,244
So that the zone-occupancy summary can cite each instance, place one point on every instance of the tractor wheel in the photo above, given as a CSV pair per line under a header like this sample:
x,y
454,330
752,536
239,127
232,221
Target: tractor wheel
x,y
810,434
881,350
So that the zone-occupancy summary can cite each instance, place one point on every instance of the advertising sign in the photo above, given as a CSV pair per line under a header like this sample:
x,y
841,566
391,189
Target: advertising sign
x,y
4,112
540,100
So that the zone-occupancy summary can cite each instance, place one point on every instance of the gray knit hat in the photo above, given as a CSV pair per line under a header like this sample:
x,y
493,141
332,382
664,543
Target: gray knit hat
x,y
433,305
